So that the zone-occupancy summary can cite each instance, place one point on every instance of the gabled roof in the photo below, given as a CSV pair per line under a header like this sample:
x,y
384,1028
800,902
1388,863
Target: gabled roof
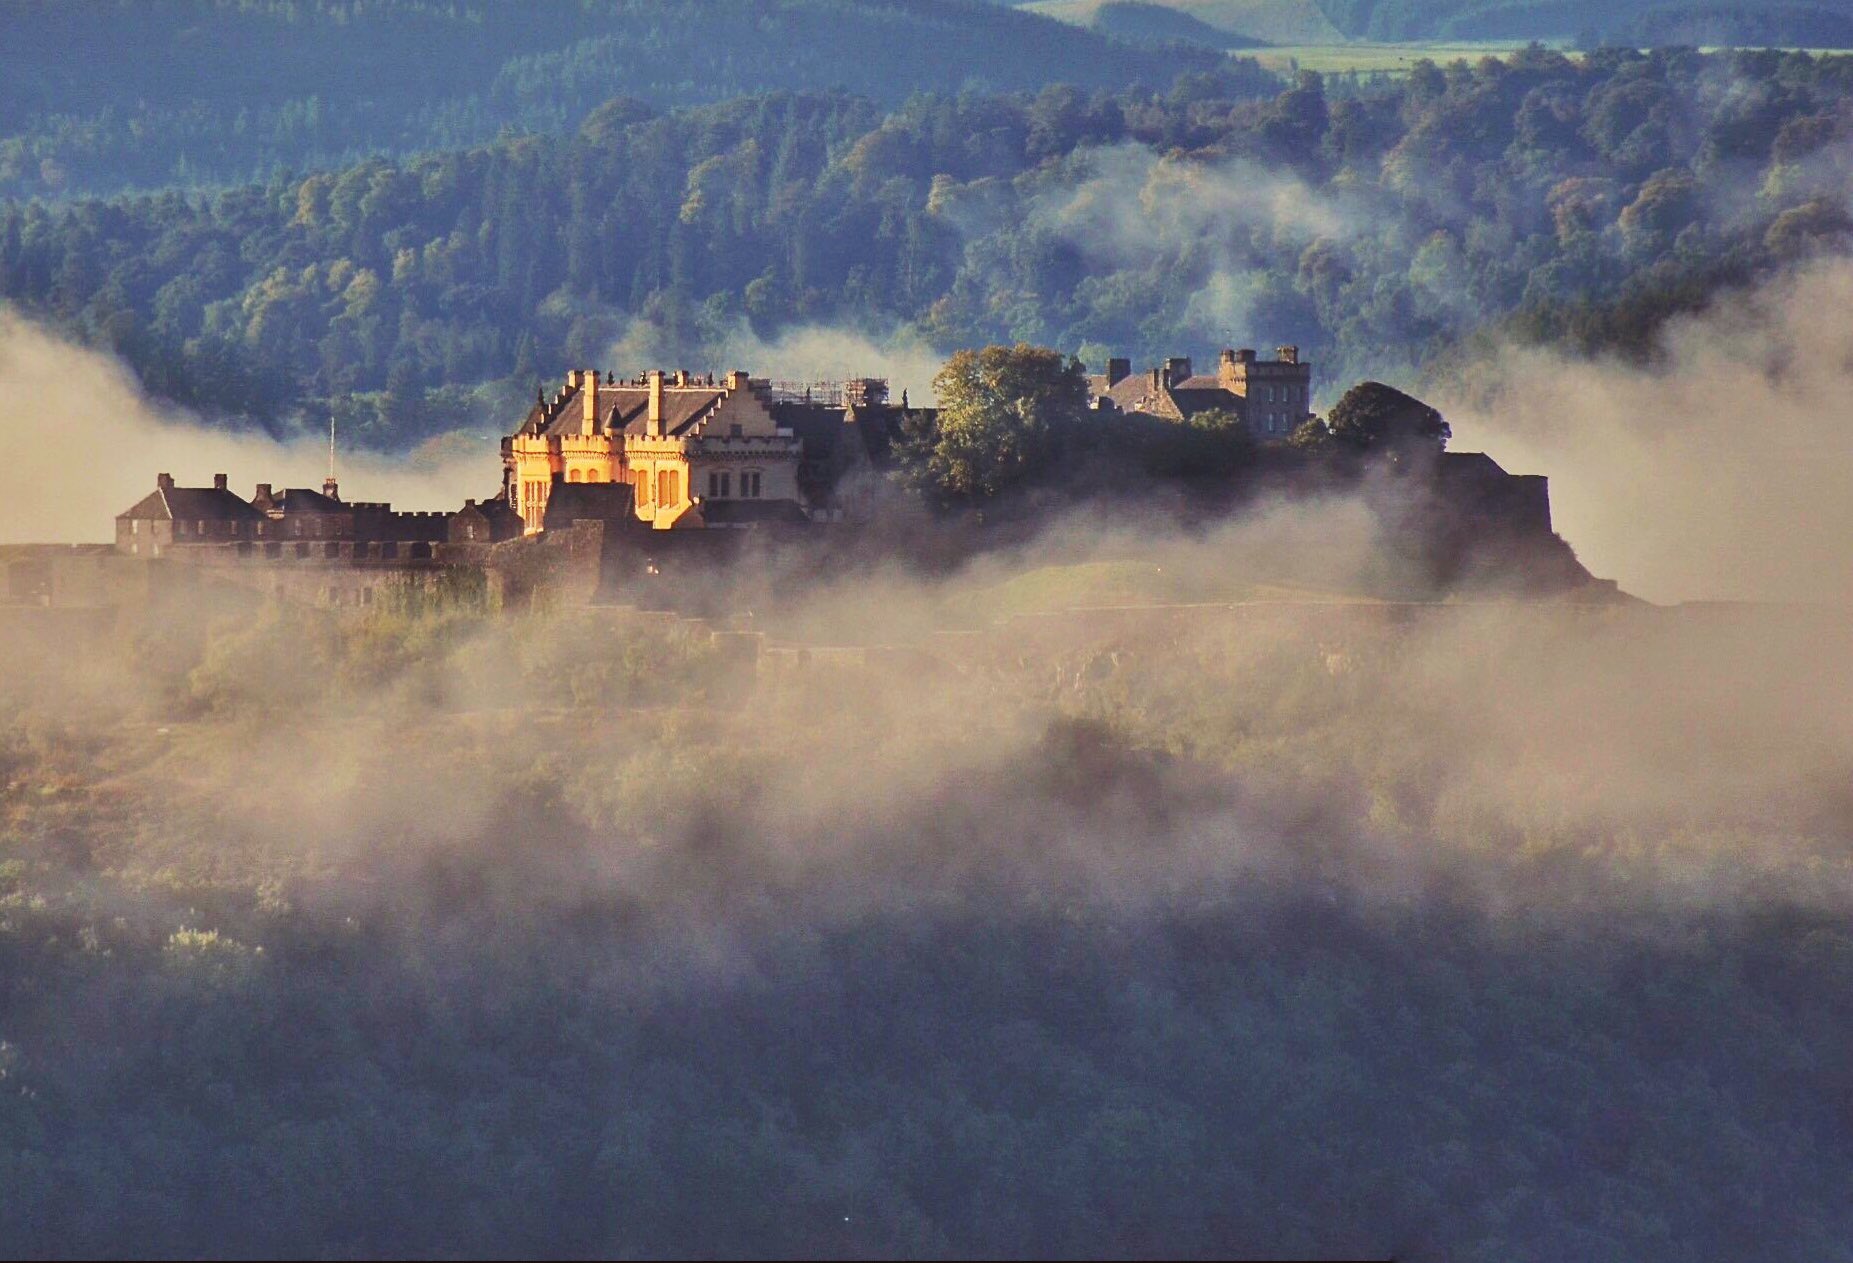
x,y
195,504
306,500
624,409
569,502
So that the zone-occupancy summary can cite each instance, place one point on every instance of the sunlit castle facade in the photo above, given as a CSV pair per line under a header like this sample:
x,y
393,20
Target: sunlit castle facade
x,y
695,451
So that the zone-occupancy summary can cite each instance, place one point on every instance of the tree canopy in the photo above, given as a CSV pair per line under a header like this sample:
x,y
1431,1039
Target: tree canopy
x,y
1004,413
1374,416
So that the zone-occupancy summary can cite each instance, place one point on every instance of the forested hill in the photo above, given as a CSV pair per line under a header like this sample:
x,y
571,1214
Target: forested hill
x,y
1642,23
143,93
1567,202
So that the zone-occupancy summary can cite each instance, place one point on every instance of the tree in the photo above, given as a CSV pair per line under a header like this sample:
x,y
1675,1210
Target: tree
x,y
1312,435
1004,413
1376,417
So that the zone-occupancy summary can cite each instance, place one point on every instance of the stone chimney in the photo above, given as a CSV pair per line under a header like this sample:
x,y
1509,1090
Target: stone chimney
x,y
164,482
1177,368
1288,354
263,493
736,379
218,482
681,377
589,392
572,379
1118,370
654,426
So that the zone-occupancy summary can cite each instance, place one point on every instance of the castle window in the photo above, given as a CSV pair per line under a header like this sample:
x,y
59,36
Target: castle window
x,y
749,485
714,485
572,475
726,489
668,487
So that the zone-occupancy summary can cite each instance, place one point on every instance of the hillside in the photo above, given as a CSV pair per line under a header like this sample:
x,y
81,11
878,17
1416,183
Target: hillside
x,y
1647,23
1323,932
1550,199
190,91
1268,21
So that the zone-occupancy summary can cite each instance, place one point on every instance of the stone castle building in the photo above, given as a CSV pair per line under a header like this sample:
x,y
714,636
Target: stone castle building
x,y
1271,396
297,524
692,451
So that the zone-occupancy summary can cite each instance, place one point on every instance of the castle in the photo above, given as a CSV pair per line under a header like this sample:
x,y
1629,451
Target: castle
x,y
1272,397
666,472
679,451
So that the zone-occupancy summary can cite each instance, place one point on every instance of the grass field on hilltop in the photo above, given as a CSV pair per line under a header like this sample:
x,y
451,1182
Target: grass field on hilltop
x,y
1368,58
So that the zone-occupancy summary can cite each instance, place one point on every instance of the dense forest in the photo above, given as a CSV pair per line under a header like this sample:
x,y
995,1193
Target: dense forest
x,y
1574,202
188,92
434,932
1753,23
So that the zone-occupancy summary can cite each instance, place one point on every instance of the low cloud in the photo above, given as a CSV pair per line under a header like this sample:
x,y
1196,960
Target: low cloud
x,y
86,443
1724,471
804,353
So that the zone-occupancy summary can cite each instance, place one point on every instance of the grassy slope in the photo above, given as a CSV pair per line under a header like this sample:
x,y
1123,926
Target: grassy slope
x,y
1276,21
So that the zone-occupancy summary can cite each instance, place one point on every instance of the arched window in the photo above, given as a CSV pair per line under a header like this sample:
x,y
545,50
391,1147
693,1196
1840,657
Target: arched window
x,y
572,475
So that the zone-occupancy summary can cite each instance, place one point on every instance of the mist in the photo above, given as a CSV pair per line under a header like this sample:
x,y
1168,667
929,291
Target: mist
x,y
88,443
586,931
1722,471
805,353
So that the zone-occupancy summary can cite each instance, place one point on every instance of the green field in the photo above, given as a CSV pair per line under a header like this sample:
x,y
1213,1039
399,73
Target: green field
x,y
1378,58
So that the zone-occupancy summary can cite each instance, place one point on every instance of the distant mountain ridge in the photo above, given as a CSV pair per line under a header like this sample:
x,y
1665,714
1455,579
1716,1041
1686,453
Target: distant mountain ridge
x,y
1820,23
244,88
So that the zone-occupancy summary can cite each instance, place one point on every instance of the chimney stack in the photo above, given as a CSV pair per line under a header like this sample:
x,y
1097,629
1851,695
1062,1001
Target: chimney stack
x,y
164,482
263,493
737,379
218,482
1118,370
1177,369
1288,354
589,423
655,425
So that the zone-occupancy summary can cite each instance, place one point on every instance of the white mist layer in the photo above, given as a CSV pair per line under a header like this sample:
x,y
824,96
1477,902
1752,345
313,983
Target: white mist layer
x,y
1725,472
85,444
807,353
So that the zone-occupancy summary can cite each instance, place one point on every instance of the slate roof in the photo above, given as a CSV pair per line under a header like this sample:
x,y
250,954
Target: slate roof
x,y
306,500
569,502
192,504
1192,395
625,409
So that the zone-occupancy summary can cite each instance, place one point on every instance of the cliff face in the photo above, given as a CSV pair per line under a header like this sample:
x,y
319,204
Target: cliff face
x,y
1474,528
